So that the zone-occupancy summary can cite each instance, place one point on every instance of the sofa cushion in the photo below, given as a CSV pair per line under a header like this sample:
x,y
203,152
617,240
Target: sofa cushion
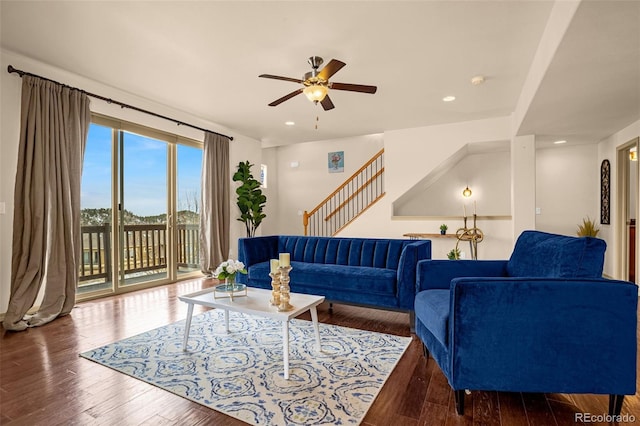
x,y
539,254
351,278
258,273
432,309
310,276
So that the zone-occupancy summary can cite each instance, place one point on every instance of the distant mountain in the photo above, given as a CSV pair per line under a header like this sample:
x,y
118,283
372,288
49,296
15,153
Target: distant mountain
x,y
96,217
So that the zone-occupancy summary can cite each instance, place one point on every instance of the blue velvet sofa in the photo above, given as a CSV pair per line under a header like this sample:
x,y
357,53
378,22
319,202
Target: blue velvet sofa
x,y
543,321
372,272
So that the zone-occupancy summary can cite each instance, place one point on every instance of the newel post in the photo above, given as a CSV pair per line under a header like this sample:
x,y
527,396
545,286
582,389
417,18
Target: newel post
x,y
305,222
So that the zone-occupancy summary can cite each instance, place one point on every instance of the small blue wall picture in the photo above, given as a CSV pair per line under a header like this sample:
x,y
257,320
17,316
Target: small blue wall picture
x,y
336,162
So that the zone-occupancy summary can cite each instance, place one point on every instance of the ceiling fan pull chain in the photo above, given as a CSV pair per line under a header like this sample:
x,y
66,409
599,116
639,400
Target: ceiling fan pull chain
x,y
317,119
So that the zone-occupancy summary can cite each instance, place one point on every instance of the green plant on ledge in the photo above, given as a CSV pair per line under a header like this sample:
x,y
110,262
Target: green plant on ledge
x,y
250,201
443,228
454,254
588,228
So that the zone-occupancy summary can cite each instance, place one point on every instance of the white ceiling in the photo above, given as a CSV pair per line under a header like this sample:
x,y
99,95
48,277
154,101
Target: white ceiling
x,y
592,87
204,58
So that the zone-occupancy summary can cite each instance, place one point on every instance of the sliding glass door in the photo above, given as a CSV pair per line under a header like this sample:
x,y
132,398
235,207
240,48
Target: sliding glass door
x,y
140,208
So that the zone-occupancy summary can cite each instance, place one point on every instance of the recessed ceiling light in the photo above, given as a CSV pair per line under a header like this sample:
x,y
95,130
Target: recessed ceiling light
x,y
560,142
290,123
449,98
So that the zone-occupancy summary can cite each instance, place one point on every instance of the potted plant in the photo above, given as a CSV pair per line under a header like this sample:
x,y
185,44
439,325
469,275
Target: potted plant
x,y
443,229
251,200
227,271
588,228
454,254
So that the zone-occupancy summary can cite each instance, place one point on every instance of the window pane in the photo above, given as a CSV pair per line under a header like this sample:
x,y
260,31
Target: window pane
x,y
144,209
188,216
95,214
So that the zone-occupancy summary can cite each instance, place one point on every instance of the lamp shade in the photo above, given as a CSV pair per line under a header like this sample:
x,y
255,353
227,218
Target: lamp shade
x,y
315,92
466,192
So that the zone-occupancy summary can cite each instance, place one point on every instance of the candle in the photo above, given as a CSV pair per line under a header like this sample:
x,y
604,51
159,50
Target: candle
x,y
474,207
274,265
464,210
285,259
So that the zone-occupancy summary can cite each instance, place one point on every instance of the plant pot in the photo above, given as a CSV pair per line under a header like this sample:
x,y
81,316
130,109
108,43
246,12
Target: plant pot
x,y
443,232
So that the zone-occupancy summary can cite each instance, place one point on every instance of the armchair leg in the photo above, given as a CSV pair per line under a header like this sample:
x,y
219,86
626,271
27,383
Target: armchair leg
x,y
459,395
615,404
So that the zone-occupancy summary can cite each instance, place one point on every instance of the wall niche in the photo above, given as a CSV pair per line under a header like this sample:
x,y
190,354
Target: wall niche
x,y
484,167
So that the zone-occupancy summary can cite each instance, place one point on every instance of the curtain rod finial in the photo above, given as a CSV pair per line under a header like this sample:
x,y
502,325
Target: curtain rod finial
x,y
11,69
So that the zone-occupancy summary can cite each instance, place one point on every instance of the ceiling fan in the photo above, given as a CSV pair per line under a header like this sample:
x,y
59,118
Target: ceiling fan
x,y
316,83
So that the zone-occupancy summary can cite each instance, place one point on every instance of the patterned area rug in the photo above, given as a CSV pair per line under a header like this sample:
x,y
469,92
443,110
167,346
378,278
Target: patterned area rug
x,y
240,373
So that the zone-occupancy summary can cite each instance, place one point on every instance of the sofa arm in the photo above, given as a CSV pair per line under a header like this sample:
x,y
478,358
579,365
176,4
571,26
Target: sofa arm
x,y
543,335
257,249
406,276
437,274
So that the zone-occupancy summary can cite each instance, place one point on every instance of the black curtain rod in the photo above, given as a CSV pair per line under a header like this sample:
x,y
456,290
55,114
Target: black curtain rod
x,y
21,73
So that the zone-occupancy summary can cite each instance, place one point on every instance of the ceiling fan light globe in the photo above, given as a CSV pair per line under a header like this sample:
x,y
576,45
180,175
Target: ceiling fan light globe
x,y
315,93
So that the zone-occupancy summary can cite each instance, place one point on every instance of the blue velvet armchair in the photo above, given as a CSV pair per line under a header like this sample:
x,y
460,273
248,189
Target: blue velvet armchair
x,y
543,321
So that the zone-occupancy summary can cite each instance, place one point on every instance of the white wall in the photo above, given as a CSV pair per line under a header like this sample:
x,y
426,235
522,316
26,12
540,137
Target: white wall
x,y
303,187
607,149
269,225
523,184
567,187
242,148
410,154
488,177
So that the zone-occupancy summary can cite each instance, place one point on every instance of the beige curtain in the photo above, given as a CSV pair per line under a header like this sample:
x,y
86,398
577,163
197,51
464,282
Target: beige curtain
x,y
214,219
46,218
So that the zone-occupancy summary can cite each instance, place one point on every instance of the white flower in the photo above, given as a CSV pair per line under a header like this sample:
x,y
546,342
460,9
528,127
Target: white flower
x,y
229,268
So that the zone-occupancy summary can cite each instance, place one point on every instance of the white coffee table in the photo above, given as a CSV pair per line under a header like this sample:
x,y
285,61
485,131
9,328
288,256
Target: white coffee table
x,y
256,302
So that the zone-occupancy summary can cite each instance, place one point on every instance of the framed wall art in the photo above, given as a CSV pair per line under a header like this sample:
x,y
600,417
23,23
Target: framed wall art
x,y
336,162
605,192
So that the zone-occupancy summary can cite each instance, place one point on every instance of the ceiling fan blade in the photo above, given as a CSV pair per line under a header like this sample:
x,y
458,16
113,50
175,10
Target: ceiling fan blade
x,y
330,69
286,97
277,77
353,87
326,103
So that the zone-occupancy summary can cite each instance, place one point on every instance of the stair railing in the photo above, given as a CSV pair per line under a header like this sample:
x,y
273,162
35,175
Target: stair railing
x,y
359,192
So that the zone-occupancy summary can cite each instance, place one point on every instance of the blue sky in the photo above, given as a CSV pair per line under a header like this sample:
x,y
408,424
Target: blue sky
x,y
145,170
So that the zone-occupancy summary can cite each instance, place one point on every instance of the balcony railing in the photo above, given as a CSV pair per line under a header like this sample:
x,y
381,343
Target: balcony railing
x,y
144,249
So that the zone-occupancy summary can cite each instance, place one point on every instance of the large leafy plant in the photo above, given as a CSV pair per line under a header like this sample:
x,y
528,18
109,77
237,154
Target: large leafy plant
x,y
251,200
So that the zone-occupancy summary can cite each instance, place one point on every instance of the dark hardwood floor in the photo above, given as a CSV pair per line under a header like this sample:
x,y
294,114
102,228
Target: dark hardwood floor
x,y
43,381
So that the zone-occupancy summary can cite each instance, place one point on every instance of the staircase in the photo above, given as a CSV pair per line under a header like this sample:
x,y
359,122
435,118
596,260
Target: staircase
x,y
363,189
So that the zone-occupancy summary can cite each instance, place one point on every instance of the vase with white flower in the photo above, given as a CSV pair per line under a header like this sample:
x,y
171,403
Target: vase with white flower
x,y
227,271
